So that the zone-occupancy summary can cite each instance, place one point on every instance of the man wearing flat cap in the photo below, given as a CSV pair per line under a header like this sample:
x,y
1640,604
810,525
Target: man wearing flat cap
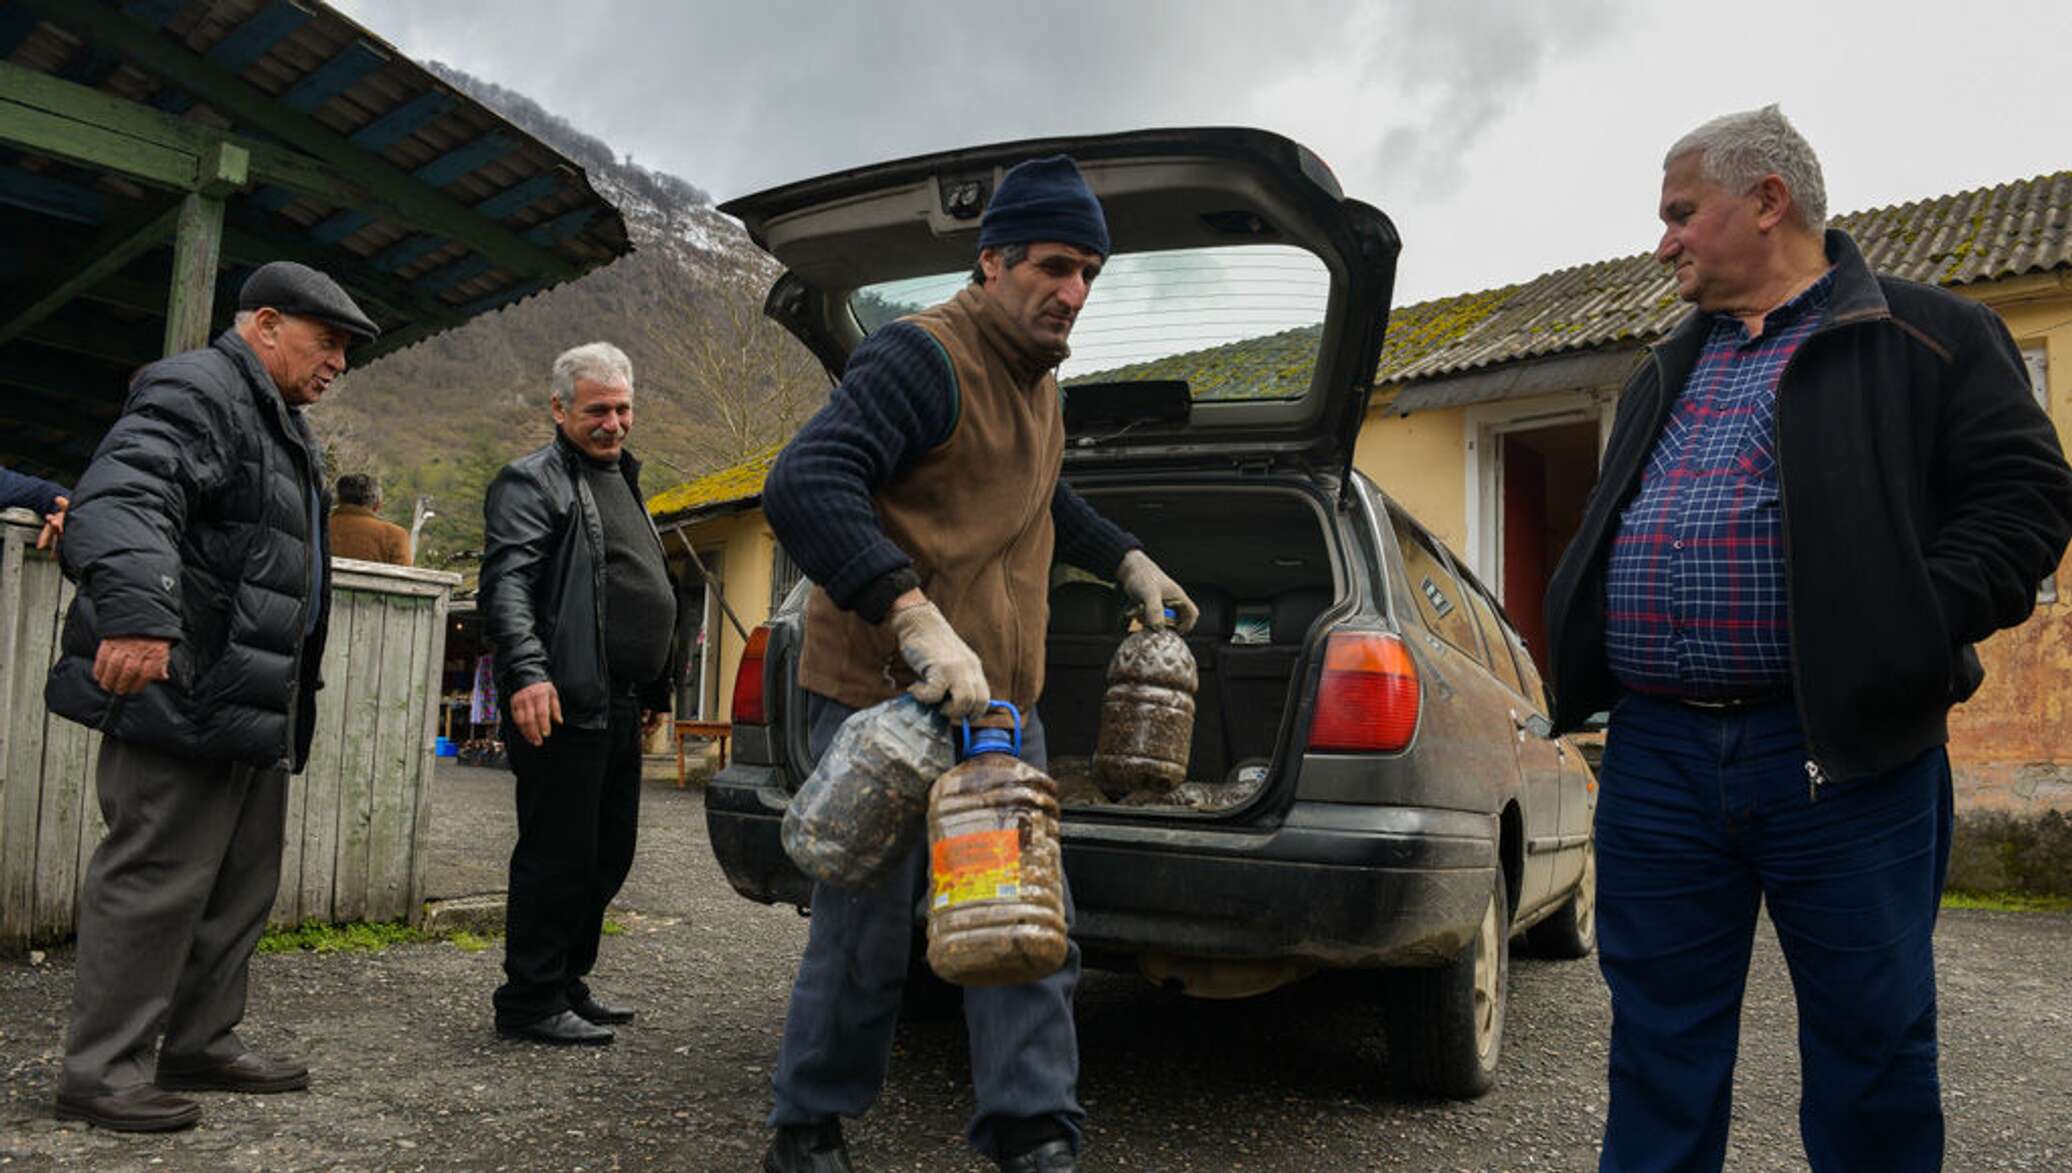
x,y
924,503
197,540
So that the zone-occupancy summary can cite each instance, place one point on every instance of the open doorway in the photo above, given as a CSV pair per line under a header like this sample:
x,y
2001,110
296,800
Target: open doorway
x,y
1546,475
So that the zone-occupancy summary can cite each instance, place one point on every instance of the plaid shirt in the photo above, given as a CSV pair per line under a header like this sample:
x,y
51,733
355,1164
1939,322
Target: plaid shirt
x,y
1695,603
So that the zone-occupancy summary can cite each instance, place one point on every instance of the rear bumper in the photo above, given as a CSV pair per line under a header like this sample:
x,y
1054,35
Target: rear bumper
x,y
1336,884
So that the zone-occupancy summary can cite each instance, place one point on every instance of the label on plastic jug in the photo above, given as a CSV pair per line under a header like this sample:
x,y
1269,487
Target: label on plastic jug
x,y
984,865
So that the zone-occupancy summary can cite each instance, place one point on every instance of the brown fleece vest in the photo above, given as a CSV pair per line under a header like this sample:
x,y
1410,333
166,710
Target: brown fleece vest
x,y
974,514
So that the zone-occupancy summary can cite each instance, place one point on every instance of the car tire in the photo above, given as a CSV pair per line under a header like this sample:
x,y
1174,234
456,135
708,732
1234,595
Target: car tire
x,y
1446,1025
1571,932
926,997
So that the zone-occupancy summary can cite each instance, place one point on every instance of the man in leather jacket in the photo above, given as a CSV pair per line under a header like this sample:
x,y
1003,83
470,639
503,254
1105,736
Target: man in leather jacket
x,y
579,603
197,539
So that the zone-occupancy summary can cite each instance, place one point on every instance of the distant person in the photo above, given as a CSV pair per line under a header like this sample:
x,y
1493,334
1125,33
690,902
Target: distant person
x,y
21,491
1822,489
579,606
197,541
357,530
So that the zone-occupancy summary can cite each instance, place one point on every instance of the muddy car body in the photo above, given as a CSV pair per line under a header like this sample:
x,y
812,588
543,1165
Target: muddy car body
x,y
1368,787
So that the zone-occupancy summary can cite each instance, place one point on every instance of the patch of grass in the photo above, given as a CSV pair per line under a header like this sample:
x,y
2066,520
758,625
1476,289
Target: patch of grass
x,y
2008,901
468,942
317,937
613,928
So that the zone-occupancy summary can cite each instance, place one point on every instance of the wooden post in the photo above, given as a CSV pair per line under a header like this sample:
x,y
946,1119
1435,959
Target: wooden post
x,y
198,246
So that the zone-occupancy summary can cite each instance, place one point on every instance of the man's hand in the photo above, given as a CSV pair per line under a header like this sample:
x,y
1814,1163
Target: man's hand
x,y
951,674
53,525
651,720
126,663
535,710
1152,592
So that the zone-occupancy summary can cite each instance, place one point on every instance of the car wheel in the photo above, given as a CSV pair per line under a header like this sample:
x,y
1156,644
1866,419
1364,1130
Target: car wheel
x,y
1571,932
1446,1025
926,997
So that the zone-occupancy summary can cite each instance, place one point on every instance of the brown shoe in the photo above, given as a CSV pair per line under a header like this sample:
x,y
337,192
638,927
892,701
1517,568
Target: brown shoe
x,y
249,1072
142,1108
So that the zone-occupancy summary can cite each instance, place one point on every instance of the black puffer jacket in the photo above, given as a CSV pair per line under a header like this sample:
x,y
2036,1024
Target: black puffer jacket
x,y
1925,496
542,590
192,524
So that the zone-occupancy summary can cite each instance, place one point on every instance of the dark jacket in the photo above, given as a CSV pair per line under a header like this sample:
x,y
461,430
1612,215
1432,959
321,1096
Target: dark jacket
x,y
1925,496
192,524
542,592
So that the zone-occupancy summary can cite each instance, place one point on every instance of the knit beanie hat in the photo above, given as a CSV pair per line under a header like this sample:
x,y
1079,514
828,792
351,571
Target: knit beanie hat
x,y
1044,199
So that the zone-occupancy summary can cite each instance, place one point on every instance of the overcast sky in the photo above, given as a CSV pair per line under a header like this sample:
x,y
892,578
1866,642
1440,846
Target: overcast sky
x,y
1505,139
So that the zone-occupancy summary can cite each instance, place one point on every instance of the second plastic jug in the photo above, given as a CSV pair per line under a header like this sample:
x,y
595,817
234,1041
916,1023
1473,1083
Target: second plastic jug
x,y
1147,716
996,908
860,812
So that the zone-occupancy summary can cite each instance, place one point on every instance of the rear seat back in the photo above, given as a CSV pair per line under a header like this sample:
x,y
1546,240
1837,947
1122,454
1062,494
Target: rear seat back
x,y
1208,753
1085,628
1257,677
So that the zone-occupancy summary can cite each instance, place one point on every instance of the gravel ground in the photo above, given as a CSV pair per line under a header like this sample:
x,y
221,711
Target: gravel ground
x,y
408,1074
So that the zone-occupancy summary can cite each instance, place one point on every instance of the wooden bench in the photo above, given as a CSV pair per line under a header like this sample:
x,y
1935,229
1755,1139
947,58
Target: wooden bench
x,y
718,731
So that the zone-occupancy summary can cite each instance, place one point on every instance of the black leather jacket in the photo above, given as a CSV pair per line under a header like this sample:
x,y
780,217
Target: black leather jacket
x,y
193,524
542,589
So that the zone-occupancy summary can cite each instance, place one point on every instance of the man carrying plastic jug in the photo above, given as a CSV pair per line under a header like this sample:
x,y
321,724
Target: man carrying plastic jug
x,y
908,501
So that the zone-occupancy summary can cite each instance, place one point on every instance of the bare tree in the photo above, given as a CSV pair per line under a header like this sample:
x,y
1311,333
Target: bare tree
x,y
747,382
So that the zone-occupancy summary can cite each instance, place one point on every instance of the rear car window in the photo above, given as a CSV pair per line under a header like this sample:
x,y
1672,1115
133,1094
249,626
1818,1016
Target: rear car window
x,y
1237,322
1440,599
1495,638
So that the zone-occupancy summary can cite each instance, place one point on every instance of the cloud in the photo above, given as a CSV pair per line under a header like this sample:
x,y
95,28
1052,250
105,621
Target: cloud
x,y
738,96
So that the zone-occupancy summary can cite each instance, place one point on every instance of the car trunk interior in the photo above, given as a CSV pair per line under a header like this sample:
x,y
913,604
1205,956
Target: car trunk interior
x,y
1258,563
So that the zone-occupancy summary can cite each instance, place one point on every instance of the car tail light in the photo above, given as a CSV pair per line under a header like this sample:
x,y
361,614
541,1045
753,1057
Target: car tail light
x,y
748,680
1367,700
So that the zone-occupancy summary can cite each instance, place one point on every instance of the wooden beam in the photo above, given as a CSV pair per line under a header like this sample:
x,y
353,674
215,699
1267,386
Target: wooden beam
x,y
83,125
116,246
245,243
197,250
411,203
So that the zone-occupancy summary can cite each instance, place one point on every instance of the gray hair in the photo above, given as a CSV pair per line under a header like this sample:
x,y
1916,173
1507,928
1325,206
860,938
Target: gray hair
x,y
599,362
1010,256
1737,150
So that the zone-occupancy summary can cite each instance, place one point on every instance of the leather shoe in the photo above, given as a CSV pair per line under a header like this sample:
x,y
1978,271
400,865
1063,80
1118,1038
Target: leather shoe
x,y
808,1148
142,1108
1052,1156
563,1029
596,1010
249,1072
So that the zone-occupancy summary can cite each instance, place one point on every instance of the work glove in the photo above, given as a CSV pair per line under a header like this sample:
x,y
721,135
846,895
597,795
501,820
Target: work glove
x,y
1151,592
950,672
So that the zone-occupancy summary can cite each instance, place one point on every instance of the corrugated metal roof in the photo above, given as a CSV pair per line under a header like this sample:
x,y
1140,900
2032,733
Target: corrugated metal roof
x,y
428,206
1983,235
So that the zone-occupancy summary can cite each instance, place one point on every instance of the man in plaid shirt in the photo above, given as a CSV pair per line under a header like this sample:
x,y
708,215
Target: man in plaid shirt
x,y
1822,488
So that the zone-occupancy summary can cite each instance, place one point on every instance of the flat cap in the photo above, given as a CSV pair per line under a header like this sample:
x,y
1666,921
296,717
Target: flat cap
x,y
298,289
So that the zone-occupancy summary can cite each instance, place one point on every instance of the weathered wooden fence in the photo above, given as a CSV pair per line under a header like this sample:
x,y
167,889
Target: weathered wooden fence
x,y
358,817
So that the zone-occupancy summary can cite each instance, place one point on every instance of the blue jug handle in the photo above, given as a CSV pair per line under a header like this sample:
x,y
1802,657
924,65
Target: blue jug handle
x,y
965,747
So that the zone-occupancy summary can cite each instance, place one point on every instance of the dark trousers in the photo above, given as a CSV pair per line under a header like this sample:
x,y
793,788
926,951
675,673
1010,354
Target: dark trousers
x,y
173,905
1704,818
578,817
845,1004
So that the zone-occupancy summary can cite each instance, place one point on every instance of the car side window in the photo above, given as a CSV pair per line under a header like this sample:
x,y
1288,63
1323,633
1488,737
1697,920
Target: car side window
x,y
1496,638
1528,673
1440,598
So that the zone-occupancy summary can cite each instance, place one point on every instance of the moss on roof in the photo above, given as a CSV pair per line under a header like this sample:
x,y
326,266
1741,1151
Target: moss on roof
x,y
730,485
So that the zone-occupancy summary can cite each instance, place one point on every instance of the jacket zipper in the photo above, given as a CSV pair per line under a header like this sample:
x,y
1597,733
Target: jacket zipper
x,y
1816,777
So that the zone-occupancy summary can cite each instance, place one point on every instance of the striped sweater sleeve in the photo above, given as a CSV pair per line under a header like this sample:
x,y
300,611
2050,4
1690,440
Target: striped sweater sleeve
x,y
896,400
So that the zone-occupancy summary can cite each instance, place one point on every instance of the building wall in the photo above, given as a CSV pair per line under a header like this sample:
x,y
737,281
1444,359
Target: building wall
x,y
1418,459
746,549
2011,744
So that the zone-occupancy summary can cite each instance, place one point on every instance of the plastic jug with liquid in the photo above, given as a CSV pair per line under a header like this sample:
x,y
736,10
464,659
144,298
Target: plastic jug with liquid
x,y
863,808
996,907
1147,716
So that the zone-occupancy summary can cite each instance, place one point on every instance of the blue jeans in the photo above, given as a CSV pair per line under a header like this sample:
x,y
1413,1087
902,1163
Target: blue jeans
x,y
1704,817
845,1003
